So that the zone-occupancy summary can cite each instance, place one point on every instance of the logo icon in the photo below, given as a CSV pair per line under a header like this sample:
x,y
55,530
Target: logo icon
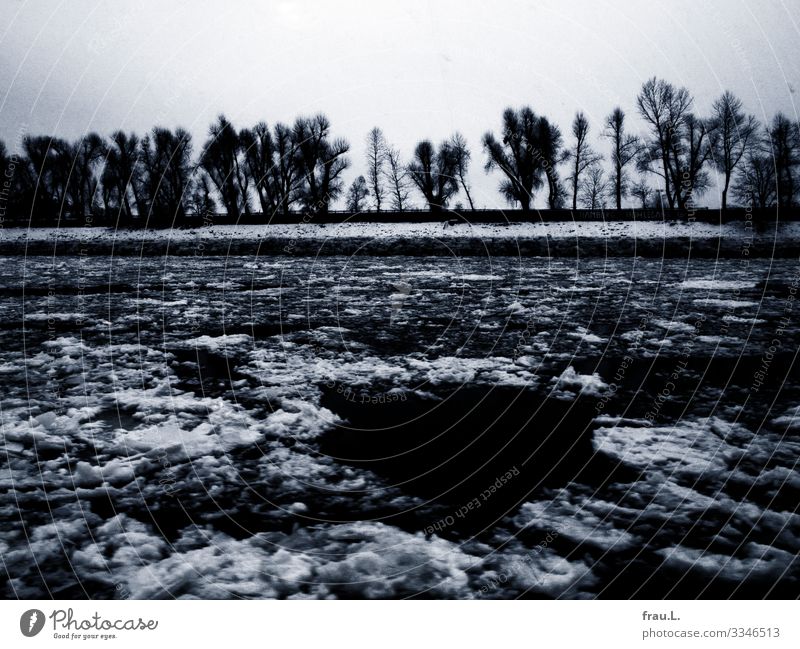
x,y
31,622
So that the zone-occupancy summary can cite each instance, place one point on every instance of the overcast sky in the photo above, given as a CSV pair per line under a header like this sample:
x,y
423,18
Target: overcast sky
x,y
418,69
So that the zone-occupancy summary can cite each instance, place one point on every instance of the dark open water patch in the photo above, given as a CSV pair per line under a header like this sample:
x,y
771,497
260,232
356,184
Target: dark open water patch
x,y
494,447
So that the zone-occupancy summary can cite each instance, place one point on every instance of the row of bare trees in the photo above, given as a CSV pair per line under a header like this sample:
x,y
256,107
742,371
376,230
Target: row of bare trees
x,y
757,165
299,167
52,176
156,176
437,173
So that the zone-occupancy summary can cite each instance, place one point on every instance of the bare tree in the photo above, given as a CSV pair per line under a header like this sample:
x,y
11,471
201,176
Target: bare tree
x,y
594,188
755,184
356,195
57,178
122,175
320,162
434,173
201,201
258,150
42,183
643,192
376,164
664,107
463,158
82,161
271,163
784,138
624,150
167,172
551,147
7,175
581,155
691,152
398,178
516,154
61,178
528,149
222,159
15,188
286,168
734,134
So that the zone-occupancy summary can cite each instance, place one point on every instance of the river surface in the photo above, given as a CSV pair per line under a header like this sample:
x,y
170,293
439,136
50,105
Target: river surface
x,y
380,427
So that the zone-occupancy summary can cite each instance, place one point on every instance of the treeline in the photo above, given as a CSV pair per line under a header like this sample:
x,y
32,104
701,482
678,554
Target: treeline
x,y
157,178
277,170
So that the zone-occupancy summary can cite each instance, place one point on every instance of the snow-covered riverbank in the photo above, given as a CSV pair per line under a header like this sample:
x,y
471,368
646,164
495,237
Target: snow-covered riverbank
x,y
587,239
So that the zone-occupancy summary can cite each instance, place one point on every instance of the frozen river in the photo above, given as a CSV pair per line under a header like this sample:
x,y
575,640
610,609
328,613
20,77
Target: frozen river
x,y
399,426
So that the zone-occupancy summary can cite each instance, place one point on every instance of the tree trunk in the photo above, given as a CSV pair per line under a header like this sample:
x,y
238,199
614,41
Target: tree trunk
x,y
667,188
575,183
552,195
466,191
127,205
618,166
725,191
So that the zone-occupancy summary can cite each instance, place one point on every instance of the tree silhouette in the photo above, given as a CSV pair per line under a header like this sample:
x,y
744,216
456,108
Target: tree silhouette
x,y
516,156
122,175
6,174
201,201
80,162
643,192
398,177
43,176
551,147
691,153
222,160
784,138
11,191
680,152
664,108
529,148
462,158
377,150
356,195
734,135
62,176
594,188
320,162
271,163
301,166
167,172
434,173
581,155
624,150
755,183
